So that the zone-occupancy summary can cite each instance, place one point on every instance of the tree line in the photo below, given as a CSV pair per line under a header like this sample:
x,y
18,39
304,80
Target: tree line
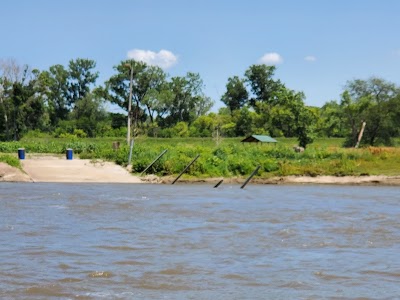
x,y
65,101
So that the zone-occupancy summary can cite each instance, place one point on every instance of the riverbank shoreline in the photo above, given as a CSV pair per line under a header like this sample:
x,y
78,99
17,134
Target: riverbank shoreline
x,y
57,169
380,180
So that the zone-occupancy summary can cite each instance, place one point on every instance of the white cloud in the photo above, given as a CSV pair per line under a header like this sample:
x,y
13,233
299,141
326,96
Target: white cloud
x,y
271,59
164,59
310,58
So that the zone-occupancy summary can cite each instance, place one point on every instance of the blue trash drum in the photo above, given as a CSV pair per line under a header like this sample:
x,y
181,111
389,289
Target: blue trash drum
x,y
21,153
69,154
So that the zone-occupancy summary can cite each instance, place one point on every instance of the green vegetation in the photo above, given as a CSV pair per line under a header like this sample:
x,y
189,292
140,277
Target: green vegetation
x,y
50,110
65,102
10,160
228,158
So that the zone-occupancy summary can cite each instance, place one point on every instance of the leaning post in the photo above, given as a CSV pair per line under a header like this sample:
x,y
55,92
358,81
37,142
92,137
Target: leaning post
x,y
218,184
251,176
187,167
154,161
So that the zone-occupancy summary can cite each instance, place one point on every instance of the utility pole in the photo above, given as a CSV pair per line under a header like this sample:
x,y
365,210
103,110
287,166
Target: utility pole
x,y
128,136
360,134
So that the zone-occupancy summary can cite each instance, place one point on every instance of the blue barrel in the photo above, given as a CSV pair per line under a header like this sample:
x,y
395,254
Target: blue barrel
x,y
69,153
21,153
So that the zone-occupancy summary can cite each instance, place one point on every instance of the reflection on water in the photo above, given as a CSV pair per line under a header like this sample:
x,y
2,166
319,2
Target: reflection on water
x,y
85,241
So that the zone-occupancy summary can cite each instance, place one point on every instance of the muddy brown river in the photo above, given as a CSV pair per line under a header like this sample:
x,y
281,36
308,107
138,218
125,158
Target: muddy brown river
x,y
135,241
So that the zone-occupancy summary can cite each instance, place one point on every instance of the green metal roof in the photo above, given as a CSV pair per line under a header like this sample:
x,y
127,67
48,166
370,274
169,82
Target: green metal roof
x,y
259,138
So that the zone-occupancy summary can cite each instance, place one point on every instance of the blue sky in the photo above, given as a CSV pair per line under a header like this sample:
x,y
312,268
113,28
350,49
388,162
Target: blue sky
x,y
316,45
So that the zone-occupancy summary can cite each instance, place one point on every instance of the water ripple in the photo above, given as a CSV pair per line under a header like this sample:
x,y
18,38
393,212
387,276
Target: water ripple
x,y
113,241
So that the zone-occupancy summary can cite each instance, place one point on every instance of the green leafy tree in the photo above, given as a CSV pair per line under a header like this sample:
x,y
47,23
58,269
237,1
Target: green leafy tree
x,y
148,85
181,129
117,120
262,85
89,115
150,88
22,107
353,113
10,73
372,101
203,126
163,100
119,84
282,121
395,114
28,109
34,108
331,120
304,130
243,119
160,101
5,108
188,101
81,76
18,98
53,87
225,126
236,95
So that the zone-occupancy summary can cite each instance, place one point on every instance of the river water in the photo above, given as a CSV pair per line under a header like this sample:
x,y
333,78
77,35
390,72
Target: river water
x,y
121,241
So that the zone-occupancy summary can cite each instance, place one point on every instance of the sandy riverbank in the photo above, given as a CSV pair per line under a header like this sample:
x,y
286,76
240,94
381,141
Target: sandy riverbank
x,y
51,168
11,174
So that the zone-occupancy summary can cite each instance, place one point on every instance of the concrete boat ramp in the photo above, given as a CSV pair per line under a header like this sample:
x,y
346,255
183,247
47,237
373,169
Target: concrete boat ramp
x,y
46,168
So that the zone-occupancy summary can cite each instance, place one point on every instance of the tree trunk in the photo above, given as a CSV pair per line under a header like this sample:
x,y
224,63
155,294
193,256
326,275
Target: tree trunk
x,y
150,114
5,117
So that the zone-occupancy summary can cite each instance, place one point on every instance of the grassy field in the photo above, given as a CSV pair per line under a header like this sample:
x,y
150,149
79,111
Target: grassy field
x,y
225,158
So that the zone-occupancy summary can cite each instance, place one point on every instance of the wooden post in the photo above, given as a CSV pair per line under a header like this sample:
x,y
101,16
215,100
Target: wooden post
x,y
187,167
154,162
218,184
115,146
360,134
251,176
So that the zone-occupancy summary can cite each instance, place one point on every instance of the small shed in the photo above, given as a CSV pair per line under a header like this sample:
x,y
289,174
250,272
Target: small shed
x,y
259,139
